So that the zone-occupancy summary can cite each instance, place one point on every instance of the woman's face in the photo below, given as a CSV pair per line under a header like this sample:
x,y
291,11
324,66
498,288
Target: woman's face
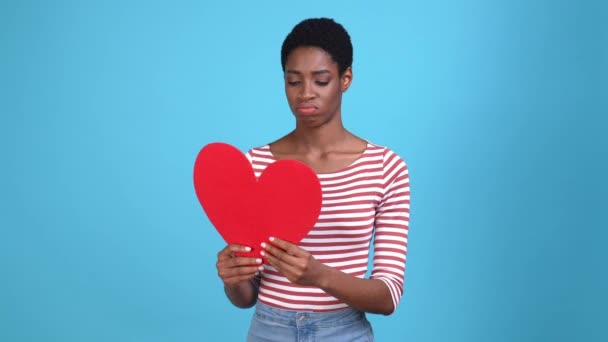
x,y
314,86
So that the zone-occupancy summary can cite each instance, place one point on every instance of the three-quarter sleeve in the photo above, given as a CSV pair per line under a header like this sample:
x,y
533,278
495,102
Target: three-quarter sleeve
x,y
391,227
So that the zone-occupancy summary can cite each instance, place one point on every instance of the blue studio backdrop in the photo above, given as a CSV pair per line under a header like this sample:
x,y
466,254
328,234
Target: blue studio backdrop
x,y
498,107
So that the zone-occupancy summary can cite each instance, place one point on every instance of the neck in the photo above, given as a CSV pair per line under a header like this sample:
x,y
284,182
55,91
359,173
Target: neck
x,y
320,139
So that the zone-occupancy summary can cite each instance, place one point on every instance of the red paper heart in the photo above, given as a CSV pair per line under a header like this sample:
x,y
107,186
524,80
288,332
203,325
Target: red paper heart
x,y
284,202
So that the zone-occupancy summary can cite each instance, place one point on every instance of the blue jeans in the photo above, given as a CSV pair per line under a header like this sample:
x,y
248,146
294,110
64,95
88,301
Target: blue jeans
x,y
271,324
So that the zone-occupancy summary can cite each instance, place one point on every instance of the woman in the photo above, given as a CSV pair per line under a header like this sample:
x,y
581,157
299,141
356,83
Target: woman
x,y
316,290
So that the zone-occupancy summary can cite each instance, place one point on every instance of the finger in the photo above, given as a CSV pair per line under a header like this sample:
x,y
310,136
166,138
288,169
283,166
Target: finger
x,y
279,259
228,251
227,273
273,261
237,262
242,261
277,253
287,246
287,269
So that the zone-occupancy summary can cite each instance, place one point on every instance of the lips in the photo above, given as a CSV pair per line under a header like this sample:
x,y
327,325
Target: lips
x,y
306,109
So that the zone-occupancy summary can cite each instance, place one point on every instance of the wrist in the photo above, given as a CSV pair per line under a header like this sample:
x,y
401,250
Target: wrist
x,y
325,276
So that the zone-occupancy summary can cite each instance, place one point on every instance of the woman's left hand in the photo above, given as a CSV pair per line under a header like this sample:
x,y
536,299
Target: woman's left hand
x,y
296,264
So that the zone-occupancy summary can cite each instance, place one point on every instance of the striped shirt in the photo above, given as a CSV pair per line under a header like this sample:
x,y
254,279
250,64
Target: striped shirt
x,y
368,199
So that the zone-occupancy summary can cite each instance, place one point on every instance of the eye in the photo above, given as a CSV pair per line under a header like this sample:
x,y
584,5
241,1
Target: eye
x,y
293,83
322,83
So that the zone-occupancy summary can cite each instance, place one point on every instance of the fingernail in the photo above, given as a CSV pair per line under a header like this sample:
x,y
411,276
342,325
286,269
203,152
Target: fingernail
x,y
261,268
263,244
258,261
247,249
271,238
257,273
262,253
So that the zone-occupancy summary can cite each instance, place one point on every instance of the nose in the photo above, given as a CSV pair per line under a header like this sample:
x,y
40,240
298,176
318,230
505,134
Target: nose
x,y
306,91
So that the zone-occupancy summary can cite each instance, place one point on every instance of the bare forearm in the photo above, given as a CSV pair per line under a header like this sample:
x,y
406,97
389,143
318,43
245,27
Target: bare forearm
x,y
369,295
243,294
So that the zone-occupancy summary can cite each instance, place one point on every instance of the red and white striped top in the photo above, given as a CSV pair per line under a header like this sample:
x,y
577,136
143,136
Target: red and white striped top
x,y
371,197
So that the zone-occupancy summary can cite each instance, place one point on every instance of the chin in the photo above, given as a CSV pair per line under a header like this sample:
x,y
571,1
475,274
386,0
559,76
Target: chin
x,y
313,121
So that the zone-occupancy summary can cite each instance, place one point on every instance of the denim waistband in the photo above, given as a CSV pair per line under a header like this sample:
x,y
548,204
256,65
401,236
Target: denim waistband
x,y
310,318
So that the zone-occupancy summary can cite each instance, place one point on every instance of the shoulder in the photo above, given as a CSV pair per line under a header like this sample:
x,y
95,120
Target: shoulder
x,y
388,155
259,153
264,149
394,169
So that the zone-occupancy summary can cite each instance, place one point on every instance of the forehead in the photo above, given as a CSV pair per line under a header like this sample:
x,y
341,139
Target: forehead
x,y
310,58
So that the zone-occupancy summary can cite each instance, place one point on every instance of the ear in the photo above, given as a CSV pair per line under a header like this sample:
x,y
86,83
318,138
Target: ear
x,y
346,79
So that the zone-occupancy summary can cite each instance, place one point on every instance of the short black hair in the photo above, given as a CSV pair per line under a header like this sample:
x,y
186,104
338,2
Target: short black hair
x,y
323,33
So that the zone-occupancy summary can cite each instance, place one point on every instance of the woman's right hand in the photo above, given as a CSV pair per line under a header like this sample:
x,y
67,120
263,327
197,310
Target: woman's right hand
x,y
234,269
